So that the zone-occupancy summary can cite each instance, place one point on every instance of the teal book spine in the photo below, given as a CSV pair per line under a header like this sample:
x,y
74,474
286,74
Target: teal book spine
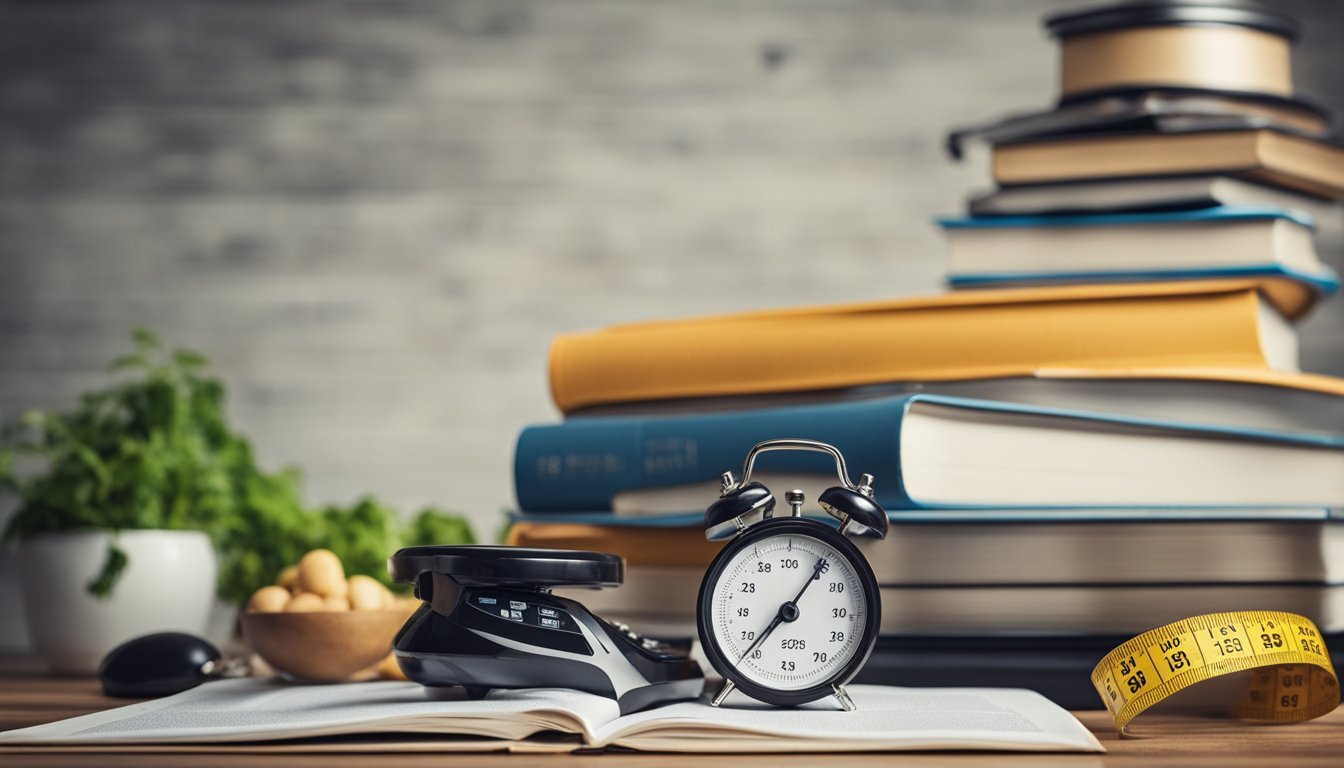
x,y
578,466
1219,213
581,463
1323,280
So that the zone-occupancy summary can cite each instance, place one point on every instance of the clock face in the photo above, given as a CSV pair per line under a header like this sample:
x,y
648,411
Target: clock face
x,y
789,611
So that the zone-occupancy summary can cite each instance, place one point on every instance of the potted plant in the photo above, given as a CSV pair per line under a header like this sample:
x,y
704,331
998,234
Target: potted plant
x,y
139,505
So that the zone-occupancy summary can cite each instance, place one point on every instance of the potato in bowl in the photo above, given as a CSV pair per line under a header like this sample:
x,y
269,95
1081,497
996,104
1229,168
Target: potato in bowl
x,y
317,624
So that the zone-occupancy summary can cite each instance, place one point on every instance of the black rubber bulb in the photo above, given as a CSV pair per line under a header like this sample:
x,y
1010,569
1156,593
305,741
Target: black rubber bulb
x,y
156,665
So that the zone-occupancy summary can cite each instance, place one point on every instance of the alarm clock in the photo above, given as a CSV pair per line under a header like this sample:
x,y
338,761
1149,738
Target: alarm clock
x,y
789,609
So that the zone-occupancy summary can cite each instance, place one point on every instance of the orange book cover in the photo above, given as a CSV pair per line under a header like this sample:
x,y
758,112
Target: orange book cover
x,y
640,546
973,334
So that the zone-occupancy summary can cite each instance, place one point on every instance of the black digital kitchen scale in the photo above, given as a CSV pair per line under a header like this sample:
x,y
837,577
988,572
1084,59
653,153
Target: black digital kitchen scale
x,y
489,621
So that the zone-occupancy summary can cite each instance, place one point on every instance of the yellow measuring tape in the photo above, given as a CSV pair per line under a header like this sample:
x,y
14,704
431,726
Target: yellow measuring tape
x,y
1291,678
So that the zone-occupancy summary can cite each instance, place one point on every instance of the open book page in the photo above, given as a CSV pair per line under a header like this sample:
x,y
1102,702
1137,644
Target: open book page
x,y
261,710
252,710
886,719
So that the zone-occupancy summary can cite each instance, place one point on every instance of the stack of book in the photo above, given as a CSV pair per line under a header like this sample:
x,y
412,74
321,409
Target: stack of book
x,y
1178,151
1090,444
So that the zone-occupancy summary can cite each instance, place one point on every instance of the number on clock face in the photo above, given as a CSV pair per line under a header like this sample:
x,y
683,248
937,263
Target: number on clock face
x,y
801,653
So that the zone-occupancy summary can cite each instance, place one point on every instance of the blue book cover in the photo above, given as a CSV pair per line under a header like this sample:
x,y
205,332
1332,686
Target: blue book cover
x,y
1322,282
1217,213
579,465
1006,517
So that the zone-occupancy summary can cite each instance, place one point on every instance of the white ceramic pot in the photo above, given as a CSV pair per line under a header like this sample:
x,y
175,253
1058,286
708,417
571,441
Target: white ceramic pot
x,y
168,584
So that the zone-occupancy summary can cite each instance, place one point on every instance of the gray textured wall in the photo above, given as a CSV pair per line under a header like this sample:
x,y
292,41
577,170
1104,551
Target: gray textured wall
x,y
373,216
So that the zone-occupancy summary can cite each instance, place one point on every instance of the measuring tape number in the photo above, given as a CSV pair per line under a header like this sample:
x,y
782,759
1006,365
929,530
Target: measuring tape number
x,y
1291,679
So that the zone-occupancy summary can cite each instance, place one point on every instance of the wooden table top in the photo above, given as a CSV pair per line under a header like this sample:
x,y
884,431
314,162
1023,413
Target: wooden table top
x,y
28,697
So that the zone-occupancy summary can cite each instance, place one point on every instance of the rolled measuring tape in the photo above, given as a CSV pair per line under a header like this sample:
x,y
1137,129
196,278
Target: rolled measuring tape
x,y
1291,678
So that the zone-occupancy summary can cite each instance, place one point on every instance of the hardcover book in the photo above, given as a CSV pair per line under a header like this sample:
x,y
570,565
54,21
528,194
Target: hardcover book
x,y
1143,194
662,602
987,547
940,452
1227,241
963,335
1304,164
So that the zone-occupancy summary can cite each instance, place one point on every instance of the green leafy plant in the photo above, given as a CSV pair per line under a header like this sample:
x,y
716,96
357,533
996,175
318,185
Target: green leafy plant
x,y
155,451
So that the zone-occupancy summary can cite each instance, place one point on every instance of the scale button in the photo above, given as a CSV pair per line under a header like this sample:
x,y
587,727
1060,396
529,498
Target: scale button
x,y
549,612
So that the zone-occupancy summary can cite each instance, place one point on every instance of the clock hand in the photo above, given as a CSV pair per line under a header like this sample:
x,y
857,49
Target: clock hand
x,y
817,570
788,608
771,628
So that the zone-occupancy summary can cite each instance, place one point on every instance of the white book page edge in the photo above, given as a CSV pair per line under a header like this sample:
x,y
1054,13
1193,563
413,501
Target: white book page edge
x,y
273,709
886,719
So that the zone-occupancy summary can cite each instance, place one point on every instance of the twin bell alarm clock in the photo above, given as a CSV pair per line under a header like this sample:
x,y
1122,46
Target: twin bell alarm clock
x,y
789,609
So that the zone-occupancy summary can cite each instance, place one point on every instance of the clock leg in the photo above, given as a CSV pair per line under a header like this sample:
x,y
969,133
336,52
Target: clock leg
x,y
841,696
727,688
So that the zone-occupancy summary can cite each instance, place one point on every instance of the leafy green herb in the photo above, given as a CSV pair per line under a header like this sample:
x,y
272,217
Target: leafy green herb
x,y
156,452
113,565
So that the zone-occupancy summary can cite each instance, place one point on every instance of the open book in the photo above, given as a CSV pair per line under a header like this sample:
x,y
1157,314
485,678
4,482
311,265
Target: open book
x,y
253,710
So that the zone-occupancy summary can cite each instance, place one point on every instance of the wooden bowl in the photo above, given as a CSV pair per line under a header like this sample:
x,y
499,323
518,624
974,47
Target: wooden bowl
x,y
326,647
